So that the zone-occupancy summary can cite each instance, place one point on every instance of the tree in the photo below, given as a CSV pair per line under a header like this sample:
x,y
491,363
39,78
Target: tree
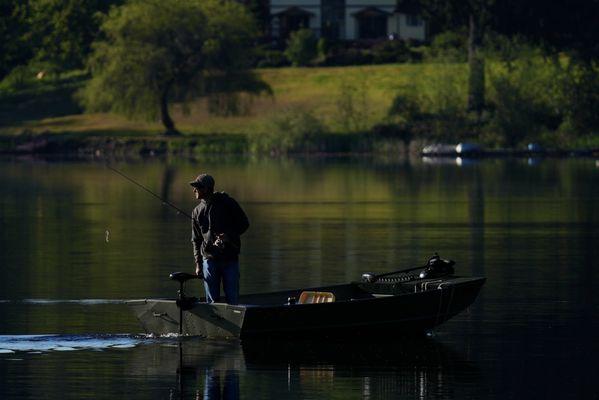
x,y
13,26
558,25
61,31
159,51
475,16
302,47
260,9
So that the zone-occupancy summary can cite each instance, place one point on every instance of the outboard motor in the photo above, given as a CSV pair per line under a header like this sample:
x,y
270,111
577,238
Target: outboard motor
x,y
183,302
436,267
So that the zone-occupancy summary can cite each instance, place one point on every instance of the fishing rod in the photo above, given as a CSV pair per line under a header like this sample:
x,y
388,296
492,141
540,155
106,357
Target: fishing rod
x,y
149,191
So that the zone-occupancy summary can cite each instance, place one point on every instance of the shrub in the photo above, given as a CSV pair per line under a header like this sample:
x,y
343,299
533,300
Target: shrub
x,y
514,115
404,108
272,59
524,98
323,48
301,47
391,51
449,46
351,56
353,106
19,78
580,100
289,132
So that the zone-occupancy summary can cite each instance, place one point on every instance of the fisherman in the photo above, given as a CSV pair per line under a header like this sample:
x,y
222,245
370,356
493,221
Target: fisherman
x,y
217,224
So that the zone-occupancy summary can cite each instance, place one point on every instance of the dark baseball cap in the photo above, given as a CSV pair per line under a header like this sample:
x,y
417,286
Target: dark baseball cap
x,y
203,181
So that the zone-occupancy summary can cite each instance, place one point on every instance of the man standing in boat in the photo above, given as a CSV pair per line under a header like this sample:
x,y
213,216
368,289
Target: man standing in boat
x,y
217,224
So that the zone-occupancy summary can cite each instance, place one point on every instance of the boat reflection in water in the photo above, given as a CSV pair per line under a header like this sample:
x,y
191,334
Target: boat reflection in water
x,y
208,369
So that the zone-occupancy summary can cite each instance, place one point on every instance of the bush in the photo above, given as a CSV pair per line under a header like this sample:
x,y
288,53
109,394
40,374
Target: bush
x,y
353,109
391,51
323,48
449,46
21,77
514,115
289,132
272,59
351,56
301,47
580,100
405,108
524,98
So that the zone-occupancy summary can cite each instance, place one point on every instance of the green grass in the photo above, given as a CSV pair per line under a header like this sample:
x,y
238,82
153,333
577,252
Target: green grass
x,y
51,108
330,94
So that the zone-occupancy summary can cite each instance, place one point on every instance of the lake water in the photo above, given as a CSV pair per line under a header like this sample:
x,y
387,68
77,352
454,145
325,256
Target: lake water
x,y
76,240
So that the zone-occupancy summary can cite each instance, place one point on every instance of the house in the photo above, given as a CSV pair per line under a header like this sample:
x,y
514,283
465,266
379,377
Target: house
x,y
348,19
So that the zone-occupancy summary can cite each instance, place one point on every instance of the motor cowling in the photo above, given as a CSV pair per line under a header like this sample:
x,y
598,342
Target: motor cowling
x,y
436,267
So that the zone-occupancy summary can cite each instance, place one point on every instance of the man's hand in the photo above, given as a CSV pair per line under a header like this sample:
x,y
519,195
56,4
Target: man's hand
x,y
199,270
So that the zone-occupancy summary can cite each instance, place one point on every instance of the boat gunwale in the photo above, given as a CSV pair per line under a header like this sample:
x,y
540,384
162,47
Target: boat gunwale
x,y
245,306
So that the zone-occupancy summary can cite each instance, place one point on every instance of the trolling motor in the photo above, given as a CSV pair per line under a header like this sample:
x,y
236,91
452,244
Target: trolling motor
x,y
183,302
435,267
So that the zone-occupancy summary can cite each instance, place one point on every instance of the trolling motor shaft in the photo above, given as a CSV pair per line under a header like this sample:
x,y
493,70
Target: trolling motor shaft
x,y
183,302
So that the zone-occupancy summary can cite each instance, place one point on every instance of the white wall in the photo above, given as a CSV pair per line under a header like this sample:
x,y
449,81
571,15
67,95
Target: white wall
x,y
411,32
397,23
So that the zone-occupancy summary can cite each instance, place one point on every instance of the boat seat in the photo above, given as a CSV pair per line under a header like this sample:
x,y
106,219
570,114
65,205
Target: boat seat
x,y
309,297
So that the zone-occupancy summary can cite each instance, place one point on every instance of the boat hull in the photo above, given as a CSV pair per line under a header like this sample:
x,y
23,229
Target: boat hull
x,y
377,314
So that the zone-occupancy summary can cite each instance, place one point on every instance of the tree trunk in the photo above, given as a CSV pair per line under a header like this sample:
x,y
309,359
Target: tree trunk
x,y
167,121
476,64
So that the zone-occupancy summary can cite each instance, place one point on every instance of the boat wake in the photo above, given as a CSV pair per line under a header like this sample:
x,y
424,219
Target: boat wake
x,y
65,301
62,342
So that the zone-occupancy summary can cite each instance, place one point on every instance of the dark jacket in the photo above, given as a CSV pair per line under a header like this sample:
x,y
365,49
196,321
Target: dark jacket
x,y
220,214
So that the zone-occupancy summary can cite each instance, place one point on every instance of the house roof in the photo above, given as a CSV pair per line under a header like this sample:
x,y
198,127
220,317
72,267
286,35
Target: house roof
x,y
294,11
370,12
411,7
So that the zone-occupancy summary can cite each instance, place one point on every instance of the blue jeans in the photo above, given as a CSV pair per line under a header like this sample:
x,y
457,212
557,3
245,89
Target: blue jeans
x,y
228,272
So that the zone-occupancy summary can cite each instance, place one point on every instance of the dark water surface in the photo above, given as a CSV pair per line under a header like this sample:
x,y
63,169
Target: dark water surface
x,y
76,240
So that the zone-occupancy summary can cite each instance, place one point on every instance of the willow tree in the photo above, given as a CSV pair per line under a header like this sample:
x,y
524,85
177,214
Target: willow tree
x,y
157,52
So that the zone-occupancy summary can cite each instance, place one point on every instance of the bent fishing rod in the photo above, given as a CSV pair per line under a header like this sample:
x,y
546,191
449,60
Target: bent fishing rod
x,y
149,191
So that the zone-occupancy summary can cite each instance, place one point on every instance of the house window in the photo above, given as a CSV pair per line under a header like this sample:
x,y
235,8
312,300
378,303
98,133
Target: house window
x,y
372,27
413,20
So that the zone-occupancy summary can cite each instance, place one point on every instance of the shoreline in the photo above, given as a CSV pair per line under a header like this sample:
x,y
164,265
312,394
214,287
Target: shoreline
x,y
68,144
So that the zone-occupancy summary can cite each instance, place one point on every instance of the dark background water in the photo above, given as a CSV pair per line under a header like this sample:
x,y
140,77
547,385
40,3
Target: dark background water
x,y
76,239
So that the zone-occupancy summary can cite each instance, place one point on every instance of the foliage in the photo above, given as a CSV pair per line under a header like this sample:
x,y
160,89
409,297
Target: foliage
x,y
535,99
14,49
271,58
20,78
448,46
301,47
62,30
291,131
353,106
350,56
260,9
404,108
580,100
391,51
323,48
160,51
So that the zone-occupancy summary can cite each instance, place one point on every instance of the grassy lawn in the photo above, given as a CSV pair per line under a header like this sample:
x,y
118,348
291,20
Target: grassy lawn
x,y
524,101
318,90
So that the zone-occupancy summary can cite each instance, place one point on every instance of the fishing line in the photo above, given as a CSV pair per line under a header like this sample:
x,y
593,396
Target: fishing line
x,y
149,191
